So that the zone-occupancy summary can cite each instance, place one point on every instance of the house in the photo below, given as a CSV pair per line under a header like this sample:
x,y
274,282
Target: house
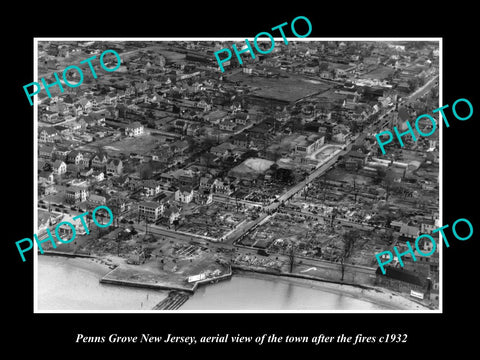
x,y
49,116
184,194
204,105
96,200
241,140
75,125
340,133
150,210
66,231
222,187
75,194
72,170
117,204
214,117
162,154
194,129
85,105
179,146
99,161
227,125
427,226
86,161
134,129
222,150
98,118
45,151
75,157
409,232
44,165
59,108
86,172
242,118
61,153
47,134
110,98
98,175
151,187
88,120
202,196
46,176
326,74
115,167
206,183
59,167
355,160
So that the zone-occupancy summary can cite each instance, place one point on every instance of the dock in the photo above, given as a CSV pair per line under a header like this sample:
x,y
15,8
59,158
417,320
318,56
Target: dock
x,y
173,301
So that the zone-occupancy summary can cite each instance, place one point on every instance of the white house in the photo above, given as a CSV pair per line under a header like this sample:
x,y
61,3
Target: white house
x,y
134,129
184,194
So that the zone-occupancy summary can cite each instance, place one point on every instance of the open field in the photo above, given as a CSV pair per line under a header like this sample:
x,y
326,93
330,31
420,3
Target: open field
x,y
138,145
379,73
289,89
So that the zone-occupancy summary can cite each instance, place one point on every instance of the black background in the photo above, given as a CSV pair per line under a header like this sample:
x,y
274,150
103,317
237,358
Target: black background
x,y
427,333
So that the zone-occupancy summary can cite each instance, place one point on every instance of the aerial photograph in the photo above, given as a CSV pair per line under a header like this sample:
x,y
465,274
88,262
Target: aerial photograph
x,y
260,188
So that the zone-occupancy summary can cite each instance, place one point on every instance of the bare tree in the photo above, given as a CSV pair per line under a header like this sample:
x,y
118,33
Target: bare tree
x,y
291,256
349,240
388,182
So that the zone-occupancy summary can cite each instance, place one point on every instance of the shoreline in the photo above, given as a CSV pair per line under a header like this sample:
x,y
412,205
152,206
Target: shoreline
x,y
378,296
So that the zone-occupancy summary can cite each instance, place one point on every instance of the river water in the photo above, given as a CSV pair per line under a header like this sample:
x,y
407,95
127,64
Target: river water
x,y
73,284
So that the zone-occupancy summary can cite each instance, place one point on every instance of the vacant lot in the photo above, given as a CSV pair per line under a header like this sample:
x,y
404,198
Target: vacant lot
x,y
214,219
379,73
289,88
138,145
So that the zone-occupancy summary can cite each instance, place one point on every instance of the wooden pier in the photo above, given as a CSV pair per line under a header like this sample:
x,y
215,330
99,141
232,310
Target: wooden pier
x,y
173,301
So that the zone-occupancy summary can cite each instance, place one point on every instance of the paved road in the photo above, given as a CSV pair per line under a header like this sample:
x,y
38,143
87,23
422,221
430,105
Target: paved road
x,y
424,89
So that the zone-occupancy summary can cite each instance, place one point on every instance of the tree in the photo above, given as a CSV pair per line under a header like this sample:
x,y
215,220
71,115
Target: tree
x,y
274,168
146,171
323,66
291,256
388,182
349,239
413,84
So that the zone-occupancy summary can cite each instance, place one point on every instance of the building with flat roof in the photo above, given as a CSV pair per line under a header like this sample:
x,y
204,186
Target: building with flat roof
x,y
307,144
150,210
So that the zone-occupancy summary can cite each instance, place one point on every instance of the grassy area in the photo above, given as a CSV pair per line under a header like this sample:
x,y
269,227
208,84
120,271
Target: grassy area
x,y
138,145
291,88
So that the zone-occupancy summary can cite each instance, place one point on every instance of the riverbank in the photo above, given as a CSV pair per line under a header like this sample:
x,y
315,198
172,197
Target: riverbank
x,y
71,284
95,269
379,296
